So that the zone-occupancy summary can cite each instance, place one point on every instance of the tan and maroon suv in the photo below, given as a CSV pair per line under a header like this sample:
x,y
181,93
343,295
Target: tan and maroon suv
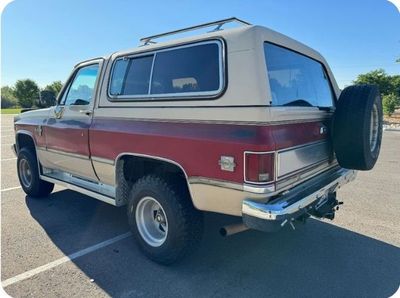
x,y
243,121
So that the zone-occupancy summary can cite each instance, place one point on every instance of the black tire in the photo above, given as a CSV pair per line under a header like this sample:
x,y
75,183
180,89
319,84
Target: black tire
x,y
185,223
352,130
37,188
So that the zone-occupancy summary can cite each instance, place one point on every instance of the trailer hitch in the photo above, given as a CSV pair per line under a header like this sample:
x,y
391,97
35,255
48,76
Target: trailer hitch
x,y
327,207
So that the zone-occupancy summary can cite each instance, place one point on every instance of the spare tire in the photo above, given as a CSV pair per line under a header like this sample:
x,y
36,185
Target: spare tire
x,y
357,127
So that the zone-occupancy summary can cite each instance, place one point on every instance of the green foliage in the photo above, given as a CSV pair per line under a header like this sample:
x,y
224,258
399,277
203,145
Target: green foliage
x,y
55,87
47,99
389,102
387,84
8,99
27,92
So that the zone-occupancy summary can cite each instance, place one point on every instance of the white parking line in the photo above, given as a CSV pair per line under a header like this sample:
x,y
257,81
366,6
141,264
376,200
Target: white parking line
x,y
7,136
11,188
7,144
7,159
63,260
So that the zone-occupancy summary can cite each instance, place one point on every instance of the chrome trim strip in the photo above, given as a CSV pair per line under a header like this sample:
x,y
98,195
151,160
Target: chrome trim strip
x,y
76,155
102,160
268,189
80,190
184,121
214,182
299,158
278,209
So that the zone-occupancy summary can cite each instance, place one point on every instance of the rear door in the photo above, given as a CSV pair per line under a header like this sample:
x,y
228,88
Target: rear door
x,y
302,98
67,129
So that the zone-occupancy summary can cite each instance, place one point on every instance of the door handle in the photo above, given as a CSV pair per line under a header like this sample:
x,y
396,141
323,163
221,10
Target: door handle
x,y
86,112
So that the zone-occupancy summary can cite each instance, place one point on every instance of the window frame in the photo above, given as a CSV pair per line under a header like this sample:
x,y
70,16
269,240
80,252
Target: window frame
x,y
334,97
200,95
65,90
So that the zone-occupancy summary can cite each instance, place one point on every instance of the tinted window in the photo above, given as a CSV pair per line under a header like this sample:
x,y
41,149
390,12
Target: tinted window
x,y
118,76
189,69
132,76
81,89
296,80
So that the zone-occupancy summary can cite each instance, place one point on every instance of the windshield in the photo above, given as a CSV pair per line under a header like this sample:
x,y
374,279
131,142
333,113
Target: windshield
x,y
296,80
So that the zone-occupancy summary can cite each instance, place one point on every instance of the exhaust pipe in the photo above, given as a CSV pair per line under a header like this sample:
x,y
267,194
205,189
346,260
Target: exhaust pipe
x,y
230,230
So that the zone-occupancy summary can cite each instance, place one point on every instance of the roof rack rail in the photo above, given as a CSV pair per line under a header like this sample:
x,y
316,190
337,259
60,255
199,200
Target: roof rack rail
x,y
149,39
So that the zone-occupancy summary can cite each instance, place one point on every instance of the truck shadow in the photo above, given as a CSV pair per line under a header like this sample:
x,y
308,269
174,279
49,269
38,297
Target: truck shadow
x,y
318,259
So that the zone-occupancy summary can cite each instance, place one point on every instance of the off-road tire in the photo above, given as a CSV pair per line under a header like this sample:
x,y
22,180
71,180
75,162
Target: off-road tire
x,y
352,127
185,223
37,188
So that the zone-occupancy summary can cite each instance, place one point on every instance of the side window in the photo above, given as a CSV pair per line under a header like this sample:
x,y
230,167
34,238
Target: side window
x,y
191,69
181,71
131,77
81,89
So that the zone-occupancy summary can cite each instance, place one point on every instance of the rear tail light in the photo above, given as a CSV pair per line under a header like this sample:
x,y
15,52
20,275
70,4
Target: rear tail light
x,y
259,167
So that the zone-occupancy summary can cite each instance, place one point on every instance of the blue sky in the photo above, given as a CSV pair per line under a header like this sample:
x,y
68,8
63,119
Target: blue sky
x,y
44,39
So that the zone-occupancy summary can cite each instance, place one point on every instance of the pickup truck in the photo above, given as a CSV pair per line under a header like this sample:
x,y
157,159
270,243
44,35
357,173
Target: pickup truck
x,y
242,121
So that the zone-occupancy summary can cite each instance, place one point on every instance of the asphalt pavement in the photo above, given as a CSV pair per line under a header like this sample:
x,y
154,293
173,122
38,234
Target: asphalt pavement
x,y
70,245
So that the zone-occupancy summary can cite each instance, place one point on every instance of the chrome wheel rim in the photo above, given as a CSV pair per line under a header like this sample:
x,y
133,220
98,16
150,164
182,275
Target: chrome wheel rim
x,y
25,173
151,221
374,128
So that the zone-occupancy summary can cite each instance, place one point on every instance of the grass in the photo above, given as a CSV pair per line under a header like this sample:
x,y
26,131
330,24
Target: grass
x,y
10,111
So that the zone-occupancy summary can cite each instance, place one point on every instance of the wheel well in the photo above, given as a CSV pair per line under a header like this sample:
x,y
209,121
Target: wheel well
x,y
25,141
130,168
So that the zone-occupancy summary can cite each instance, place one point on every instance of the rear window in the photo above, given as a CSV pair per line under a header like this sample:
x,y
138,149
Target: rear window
x,y
189,70
295,79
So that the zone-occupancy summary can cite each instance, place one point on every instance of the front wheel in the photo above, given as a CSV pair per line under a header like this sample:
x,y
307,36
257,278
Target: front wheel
x,y
163,220
28,174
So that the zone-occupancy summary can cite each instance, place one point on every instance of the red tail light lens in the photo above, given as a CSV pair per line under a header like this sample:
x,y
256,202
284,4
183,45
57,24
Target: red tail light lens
x,y
259,167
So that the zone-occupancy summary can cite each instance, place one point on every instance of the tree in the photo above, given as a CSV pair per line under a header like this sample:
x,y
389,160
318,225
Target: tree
x,y
377,77
55,87
27,92
47,99
389,102
388,85
8,99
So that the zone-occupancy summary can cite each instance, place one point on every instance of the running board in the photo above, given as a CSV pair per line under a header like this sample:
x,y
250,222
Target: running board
x,y
100,191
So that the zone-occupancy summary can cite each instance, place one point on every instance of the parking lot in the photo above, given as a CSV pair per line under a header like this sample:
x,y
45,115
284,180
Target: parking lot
x,y
356,255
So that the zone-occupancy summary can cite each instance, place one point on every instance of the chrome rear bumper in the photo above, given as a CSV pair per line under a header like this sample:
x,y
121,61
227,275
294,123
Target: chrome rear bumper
x,y
300,200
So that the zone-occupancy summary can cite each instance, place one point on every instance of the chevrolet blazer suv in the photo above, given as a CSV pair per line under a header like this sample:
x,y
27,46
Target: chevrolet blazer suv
x,y
241,121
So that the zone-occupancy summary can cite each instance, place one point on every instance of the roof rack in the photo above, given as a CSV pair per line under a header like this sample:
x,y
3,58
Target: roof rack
x,y
150,39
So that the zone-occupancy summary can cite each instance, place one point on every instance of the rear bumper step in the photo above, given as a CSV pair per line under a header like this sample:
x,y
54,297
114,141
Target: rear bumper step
x,y
301,200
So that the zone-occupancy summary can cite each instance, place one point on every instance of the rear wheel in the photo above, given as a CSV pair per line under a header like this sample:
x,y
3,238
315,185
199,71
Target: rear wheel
x,y
163,220
28,174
